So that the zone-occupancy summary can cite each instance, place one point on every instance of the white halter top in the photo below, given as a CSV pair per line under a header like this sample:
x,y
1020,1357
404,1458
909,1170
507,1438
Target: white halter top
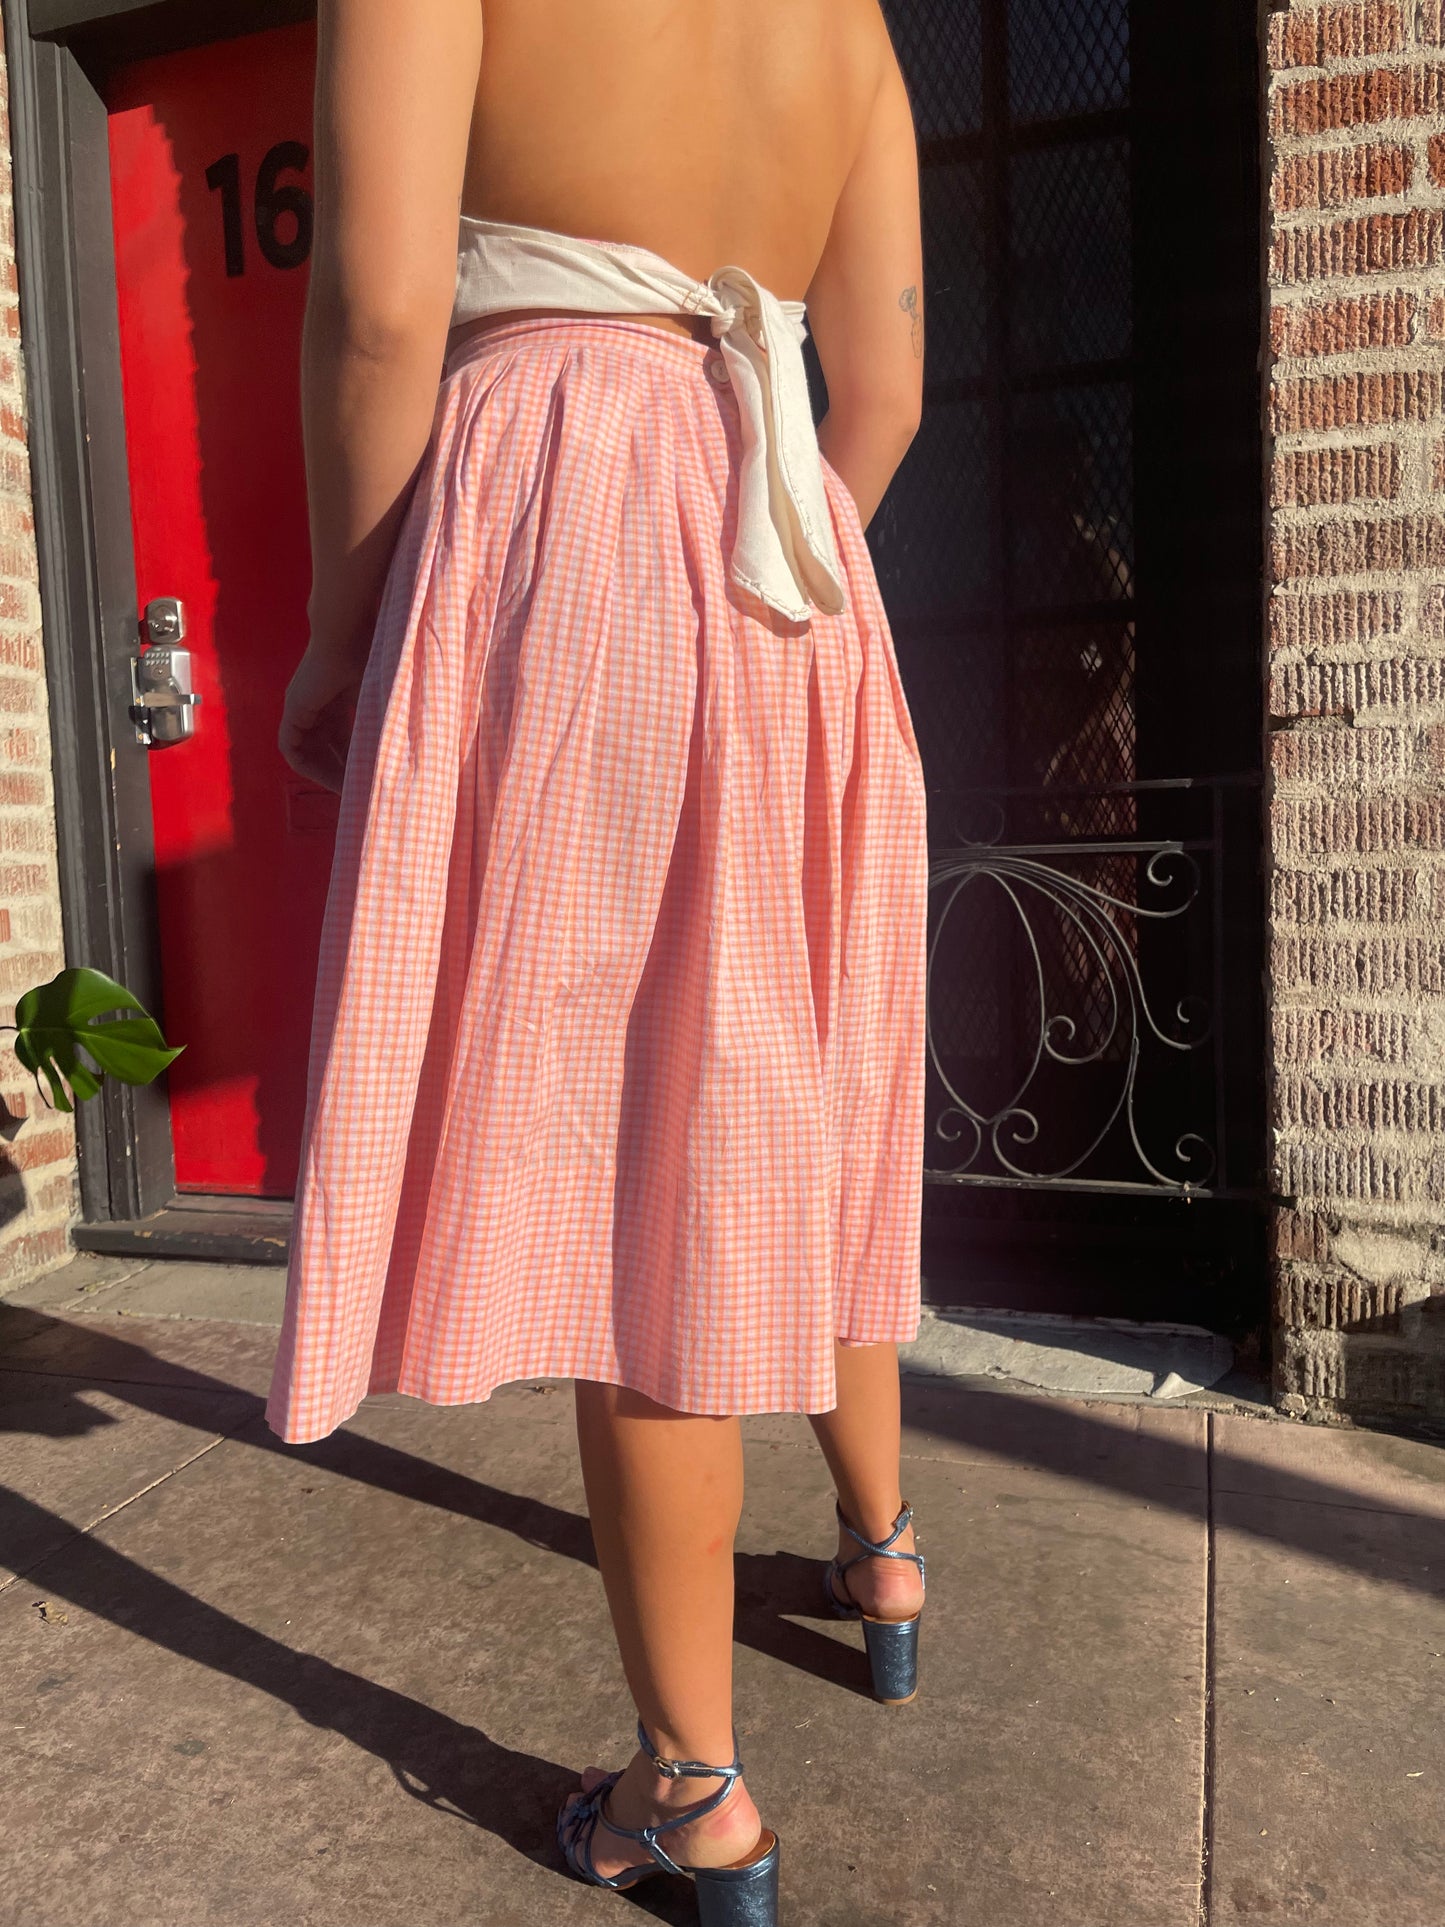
x,y
783,550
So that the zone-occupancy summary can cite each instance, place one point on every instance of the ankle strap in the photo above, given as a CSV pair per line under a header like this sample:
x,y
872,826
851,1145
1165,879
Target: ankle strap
x,y
676,1770
881,1549
690,1769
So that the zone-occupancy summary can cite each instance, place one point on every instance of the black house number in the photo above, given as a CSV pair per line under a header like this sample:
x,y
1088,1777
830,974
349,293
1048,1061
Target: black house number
x,y
273,200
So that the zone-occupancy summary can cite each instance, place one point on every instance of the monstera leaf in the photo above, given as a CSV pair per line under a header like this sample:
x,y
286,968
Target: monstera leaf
x,y
55,1021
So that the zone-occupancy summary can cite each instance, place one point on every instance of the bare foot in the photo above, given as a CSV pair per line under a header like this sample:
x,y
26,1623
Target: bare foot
x,y
643,1796
884,1588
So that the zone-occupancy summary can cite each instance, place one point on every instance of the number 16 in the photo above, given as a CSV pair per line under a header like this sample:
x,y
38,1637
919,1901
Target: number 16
x,y
272,201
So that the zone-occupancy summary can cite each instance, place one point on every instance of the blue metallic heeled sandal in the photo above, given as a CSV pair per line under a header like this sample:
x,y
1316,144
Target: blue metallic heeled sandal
x,y
742,1895
892,1643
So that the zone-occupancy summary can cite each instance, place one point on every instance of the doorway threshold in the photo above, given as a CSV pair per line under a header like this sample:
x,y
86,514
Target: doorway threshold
x,y
195,1224
1109,1358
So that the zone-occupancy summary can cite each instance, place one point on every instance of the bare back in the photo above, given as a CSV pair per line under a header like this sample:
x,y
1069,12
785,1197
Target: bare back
x,y
771,135
708,131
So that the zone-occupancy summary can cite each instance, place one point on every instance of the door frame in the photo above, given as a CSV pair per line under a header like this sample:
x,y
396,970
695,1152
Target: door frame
x,y
58,52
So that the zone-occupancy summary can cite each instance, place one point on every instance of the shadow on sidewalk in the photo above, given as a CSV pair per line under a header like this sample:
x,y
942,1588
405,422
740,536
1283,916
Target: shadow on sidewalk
x,y
452,1766
1033,1432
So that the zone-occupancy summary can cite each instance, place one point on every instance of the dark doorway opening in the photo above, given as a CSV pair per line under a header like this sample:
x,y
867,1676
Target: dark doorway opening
x,y
1072,561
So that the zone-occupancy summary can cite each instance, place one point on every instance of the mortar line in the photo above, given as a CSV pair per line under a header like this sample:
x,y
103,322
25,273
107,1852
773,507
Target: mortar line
x,y
1206,1801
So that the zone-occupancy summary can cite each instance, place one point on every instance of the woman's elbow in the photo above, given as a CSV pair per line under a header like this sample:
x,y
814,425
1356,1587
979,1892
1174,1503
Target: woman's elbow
x,y
372,321
894,421
886,415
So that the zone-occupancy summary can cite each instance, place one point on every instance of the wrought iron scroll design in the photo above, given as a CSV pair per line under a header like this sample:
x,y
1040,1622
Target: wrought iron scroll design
x,y
1100,926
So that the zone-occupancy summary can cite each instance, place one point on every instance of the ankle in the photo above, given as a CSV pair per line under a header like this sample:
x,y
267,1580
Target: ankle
x,y
873,1517
665,1790
643,1795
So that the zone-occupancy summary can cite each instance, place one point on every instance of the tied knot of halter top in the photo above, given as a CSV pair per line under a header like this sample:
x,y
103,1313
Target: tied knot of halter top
x,y
783,549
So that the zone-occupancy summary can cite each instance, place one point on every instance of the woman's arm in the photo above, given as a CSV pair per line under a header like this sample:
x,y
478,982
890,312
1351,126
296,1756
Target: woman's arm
x,y
865,304
395,90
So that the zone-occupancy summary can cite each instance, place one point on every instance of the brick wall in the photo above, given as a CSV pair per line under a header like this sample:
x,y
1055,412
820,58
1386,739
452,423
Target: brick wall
x,y
1356,145
37,1144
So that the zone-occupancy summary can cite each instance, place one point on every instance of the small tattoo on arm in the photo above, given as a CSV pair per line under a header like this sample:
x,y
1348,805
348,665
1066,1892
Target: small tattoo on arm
x,y
908,301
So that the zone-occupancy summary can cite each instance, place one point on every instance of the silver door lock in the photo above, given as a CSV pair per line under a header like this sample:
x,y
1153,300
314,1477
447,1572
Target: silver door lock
x,y
163,706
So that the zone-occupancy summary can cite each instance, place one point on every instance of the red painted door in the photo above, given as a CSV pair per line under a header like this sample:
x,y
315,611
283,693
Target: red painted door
x,y
210,160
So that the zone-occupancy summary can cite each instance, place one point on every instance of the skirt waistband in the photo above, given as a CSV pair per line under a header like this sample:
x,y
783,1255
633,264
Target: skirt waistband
x,y
685,349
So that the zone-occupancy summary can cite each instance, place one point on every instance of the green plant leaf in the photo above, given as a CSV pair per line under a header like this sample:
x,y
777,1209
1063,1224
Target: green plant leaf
x,y
54,1021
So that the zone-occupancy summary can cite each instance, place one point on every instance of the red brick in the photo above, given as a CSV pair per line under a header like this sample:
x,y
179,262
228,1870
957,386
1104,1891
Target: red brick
x,y
17,697
24,746
1354,401
1403,1105
1360,966
1430,22
23,786
32,1251
22,970
1330,1033
1366,244
33,1152
1351,1171
1371,171
1368,825
1359,99
1319,476
1339,1301
1370,894
1299,1234
29,834
1334,757
1341,327
22,652
1339,618
1384,546
1310,36
23,881
56,1194
15,472
17,557
1347,689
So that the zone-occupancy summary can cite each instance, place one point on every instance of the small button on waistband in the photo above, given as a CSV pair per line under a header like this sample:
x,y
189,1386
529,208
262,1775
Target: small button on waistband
x,y
718,369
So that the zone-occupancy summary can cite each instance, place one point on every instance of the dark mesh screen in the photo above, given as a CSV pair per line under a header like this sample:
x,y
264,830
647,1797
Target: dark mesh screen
x,y
1070,559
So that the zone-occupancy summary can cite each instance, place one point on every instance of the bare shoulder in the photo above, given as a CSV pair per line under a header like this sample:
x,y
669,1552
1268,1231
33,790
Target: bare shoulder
x,y
868,25
877,87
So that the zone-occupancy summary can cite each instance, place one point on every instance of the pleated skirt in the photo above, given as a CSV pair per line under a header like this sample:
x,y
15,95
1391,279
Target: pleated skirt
x,y
616,1065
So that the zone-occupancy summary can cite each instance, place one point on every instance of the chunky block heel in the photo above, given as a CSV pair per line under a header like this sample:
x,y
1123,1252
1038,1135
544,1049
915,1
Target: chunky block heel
x,y
893,1656
892,1644
742,1895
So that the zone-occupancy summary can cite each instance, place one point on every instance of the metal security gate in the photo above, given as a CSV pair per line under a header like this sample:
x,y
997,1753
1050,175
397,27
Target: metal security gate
x,y
1071,557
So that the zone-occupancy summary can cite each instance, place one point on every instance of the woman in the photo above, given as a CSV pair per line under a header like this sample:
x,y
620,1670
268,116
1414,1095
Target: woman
x,y
617,1052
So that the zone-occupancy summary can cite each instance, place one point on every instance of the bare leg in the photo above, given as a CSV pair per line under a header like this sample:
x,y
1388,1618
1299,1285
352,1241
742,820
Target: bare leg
x,y
664,1492
861,1440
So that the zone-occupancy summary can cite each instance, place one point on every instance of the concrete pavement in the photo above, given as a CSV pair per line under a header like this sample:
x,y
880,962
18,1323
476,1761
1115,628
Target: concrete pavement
x,y
1181,1663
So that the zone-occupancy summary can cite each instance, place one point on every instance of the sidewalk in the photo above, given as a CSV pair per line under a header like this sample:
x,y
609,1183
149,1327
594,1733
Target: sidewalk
x,y
1179,1664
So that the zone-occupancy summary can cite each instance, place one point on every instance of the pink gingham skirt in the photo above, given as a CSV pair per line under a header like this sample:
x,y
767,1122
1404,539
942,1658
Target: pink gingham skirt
x,y
617,1054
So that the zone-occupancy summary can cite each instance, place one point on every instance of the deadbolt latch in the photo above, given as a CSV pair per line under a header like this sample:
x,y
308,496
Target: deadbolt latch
x,y
163,706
